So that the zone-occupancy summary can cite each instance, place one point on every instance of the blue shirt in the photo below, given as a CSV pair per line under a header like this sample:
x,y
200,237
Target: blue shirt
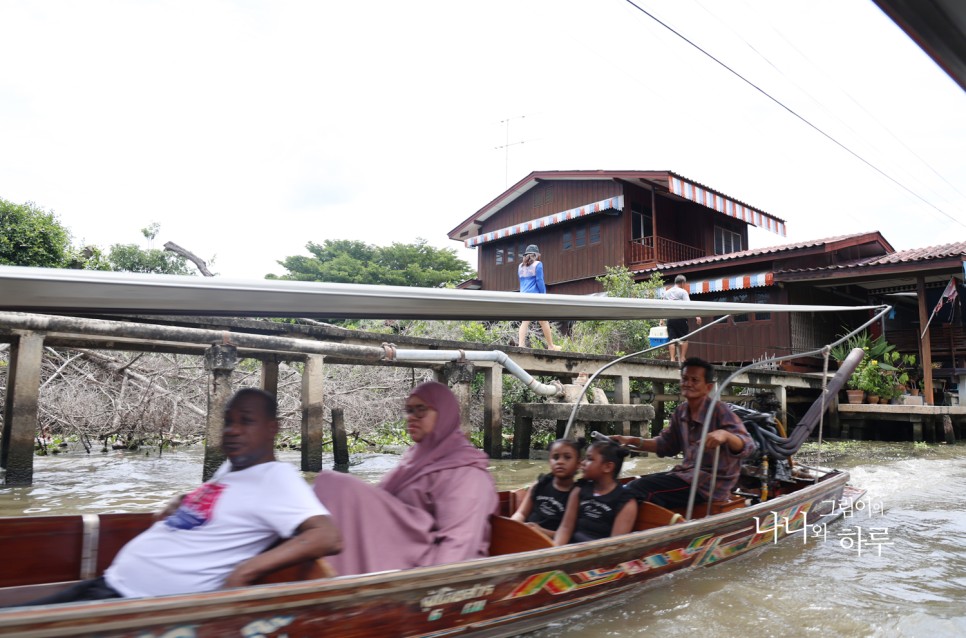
x,y
531,278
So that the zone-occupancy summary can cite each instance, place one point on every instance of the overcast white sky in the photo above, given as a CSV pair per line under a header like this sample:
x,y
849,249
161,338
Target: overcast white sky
x,y
248,128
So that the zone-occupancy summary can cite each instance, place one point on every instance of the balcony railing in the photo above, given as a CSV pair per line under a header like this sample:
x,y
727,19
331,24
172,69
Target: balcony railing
x,y
643,251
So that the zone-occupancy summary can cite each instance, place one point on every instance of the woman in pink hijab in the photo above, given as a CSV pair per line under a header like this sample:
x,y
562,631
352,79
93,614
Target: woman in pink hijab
x,y
433,508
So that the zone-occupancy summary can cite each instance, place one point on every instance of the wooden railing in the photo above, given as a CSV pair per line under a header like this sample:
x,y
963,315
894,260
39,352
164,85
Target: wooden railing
x,y
644,251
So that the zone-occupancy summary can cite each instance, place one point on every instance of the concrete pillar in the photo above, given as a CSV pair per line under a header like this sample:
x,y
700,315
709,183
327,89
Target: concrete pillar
x,y
493,411
340,445
20,408
659,413
522,430
313,408
622,396
459,376
269,378
782,395
220,360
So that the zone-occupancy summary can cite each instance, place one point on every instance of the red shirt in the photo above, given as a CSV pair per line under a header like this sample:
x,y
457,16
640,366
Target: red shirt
x,y
684,434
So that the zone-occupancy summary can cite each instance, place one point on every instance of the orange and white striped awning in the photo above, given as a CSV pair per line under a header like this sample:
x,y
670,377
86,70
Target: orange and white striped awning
x,y
738,282
724,205
611,203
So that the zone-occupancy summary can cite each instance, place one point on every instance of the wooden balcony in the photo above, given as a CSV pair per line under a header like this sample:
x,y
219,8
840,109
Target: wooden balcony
x,y
643,252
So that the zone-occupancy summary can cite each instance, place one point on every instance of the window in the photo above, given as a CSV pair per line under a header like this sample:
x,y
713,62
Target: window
x,y
641,222
499,256
509,255
726,241
578,236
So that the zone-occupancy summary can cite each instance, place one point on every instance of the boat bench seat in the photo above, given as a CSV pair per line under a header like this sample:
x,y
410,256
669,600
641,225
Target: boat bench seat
x,y
508,536
650,516
717,507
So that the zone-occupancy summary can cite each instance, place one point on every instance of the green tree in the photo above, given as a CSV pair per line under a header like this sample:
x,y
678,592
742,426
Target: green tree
x,y
31,236
133,258
349,261
617,337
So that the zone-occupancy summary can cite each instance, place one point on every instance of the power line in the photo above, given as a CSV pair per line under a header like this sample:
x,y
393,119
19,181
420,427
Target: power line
x,y
795,114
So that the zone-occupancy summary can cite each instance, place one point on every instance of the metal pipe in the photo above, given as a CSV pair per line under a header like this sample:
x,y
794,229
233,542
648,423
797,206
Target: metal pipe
x,y
495,356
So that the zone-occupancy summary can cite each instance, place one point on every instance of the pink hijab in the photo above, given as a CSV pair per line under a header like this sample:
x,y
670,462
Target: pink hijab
x,y
446,447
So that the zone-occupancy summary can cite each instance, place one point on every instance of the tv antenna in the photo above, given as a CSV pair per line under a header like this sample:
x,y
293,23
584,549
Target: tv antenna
x,y
506,148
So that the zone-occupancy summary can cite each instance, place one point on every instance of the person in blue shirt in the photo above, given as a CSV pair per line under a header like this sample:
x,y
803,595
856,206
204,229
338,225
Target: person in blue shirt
x,y
530,272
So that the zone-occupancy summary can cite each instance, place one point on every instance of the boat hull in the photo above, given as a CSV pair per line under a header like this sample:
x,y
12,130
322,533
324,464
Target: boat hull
x,y
496,596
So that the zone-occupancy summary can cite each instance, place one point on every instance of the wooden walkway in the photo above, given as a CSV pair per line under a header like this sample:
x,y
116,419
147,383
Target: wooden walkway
x,y
865,421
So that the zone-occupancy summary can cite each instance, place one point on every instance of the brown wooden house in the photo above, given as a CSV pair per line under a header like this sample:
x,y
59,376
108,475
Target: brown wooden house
x,y
659,222
584,221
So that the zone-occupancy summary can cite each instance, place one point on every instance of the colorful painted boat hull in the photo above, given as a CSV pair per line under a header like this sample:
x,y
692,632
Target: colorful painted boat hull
x,y
497,596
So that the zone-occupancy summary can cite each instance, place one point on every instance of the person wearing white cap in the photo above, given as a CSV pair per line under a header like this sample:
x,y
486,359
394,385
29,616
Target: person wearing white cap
x,y
530,272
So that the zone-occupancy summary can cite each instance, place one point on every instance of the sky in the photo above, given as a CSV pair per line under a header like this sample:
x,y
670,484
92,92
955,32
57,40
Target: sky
x,y
247,129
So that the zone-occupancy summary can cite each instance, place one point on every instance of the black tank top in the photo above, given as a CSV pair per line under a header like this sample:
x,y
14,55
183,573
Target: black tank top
x,y
549,503
596,515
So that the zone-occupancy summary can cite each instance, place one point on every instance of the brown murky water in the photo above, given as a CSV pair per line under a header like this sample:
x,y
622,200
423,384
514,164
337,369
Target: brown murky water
x,y
916,587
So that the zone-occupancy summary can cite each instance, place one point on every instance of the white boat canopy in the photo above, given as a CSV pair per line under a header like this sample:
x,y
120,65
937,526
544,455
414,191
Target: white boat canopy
x,y
54,290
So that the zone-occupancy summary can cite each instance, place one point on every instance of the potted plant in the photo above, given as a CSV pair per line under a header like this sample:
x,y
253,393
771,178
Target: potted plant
x,y
871,379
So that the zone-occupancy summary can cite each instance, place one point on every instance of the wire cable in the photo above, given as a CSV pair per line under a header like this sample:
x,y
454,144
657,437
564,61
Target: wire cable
x,y
795,114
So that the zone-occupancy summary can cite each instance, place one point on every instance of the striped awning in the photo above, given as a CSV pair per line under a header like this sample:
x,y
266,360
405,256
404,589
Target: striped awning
x,y
613,203
716,201
737,282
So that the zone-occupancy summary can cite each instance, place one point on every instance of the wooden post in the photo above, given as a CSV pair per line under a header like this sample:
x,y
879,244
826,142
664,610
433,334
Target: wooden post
x,y
20,408
313,409
340,446
834,423
782,396
220,360
622,396
948,431
269,378
493,411
925,347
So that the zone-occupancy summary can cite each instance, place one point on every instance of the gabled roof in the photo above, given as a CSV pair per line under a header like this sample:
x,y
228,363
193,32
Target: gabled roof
x,y
903,262
666,182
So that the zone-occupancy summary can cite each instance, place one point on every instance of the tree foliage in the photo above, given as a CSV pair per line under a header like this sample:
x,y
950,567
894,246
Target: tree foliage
x,y
617,337
32,236
349,261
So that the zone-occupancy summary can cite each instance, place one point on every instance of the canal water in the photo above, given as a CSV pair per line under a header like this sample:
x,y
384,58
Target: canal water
x,y
909,579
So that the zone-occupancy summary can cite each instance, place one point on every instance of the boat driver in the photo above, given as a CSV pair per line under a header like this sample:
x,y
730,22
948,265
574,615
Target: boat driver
x,y
725,432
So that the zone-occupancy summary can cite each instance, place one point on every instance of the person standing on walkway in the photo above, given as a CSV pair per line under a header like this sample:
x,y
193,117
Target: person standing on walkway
x,y
530,272
677,328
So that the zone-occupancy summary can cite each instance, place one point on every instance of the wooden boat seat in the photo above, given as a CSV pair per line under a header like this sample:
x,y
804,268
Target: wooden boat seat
x,y
307,570
508,536
650,516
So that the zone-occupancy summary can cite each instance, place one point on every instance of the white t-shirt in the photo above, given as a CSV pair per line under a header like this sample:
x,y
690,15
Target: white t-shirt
x,y
676,293
229,519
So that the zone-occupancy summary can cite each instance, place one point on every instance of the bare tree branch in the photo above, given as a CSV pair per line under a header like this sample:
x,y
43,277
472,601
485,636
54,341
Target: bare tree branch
x,y
190,256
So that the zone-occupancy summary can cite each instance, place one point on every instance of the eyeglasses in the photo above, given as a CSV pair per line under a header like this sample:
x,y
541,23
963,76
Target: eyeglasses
x,y
418,410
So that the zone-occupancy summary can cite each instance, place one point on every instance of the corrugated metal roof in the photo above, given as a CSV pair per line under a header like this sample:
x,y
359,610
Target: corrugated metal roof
x,y
753,252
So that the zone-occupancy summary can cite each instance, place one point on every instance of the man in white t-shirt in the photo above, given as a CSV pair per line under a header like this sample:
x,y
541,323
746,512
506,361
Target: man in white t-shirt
x,y
677,328
218,535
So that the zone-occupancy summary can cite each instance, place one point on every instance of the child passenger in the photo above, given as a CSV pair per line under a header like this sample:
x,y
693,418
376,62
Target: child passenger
x,y
546,500
598,508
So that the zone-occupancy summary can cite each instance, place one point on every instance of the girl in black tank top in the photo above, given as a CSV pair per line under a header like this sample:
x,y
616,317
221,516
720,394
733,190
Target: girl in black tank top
x,y
546,500
600,507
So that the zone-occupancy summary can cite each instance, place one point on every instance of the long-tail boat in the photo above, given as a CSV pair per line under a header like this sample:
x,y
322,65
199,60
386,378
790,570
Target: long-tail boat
x,y
524,584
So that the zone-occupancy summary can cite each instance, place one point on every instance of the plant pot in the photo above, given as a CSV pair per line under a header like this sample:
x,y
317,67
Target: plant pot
x,y
914,392
855,396
873,398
